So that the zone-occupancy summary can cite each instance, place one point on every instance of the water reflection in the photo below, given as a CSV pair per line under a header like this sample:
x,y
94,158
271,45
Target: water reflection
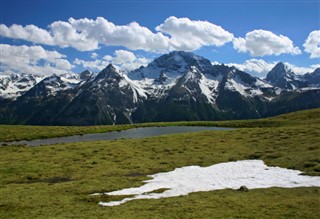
x,y
126,134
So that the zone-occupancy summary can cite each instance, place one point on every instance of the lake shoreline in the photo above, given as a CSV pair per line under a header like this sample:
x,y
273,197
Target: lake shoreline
x,y
134,133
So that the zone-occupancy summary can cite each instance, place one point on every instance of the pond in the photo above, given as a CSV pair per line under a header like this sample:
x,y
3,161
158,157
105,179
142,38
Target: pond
x,y
125,134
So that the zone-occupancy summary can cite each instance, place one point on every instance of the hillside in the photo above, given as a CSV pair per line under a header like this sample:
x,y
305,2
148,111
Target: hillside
x,y
179,86
56,181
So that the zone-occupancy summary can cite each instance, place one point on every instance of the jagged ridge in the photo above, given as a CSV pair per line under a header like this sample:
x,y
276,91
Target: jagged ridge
x,y
175,86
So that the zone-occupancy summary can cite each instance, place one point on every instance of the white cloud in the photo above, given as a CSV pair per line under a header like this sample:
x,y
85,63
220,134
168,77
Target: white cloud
x,y
96,65
32,60
257,67
87,34
262,43
123,59
300,70
190,35
94,55
260,68
65,35
132,36
29,33
128,61
215,63
312,44
122,56
61,34
314,67
107,58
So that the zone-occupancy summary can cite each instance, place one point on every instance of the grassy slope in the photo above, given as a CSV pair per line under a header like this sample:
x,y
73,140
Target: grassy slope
x,y
26,132
55,181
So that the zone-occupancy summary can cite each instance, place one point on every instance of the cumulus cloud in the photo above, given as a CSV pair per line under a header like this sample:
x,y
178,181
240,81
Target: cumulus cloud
x,y
87,34
263,42
190,35
300,70
173,34
95,65
123,59
32,60
65,35
312,44
132,36
60,34
94,55
30,33
122,56
260,68
257,67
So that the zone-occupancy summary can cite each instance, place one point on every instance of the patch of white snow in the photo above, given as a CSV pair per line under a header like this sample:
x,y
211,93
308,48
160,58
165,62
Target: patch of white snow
x,y
278,91
209,88
262,84
236,86
231,175
138,91
70,80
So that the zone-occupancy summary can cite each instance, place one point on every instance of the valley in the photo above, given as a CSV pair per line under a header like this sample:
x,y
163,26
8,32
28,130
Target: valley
x,y
159,109
57,180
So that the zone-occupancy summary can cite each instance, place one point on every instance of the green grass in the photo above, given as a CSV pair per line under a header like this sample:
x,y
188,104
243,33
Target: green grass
x,y
55,181
24,132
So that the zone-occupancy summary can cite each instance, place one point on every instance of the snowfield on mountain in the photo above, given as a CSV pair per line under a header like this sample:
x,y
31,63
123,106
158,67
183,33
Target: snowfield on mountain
x,y
179,86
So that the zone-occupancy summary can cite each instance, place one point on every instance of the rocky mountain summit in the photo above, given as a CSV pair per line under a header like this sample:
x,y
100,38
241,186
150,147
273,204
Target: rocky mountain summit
x,y
174,87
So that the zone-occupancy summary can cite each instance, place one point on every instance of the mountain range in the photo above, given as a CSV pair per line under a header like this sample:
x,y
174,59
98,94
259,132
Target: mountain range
x,y
174,87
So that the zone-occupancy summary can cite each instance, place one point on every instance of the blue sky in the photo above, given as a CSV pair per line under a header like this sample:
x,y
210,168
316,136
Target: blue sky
x,y
252,35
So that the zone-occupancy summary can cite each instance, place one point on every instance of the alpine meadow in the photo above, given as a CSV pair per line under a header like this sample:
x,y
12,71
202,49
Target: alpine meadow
x,y
159,109
57,180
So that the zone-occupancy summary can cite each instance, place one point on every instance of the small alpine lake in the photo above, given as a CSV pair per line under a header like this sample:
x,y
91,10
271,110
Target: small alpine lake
x,y
134,133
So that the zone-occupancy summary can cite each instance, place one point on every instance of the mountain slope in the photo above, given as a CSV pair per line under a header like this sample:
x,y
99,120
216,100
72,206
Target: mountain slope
x,y
293,101
174,87
313,79
15,85
40,104
50,86
108,98
281,76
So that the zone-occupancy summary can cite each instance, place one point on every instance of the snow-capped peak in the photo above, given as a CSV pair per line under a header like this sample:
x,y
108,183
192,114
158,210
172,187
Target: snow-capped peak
x,y
175,86
85,75
49,86
174,65
107,72
283,77
192,74
110,78
14,85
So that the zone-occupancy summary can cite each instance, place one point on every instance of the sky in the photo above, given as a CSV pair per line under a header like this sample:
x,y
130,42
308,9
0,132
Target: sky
x,y
47,37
